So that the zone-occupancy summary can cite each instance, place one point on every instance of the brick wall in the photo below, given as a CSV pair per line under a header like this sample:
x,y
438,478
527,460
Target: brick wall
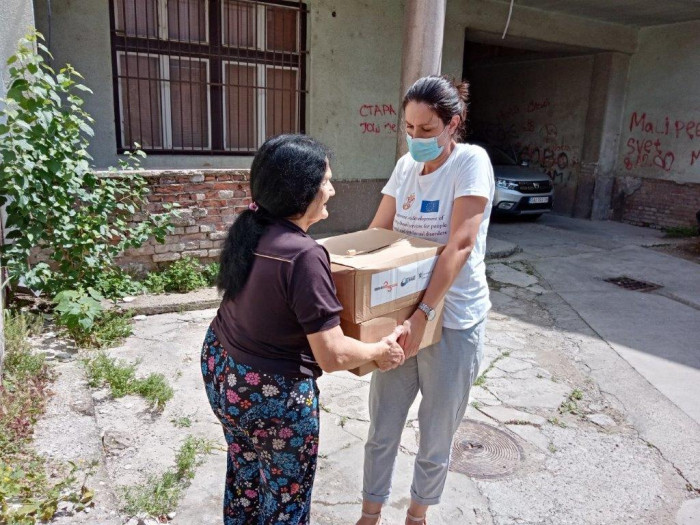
x,y
656,203
209,202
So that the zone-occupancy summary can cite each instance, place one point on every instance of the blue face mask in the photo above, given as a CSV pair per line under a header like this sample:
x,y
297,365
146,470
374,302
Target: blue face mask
x,y
424,150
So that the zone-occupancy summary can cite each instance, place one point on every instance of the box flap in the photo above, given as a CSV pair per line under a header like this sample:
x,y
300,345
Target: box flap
x,y
367,248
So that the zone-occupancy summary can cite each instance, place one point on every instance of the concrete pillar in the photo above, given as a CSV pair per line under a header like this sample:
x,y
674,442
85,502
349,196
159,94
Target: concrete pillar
x,y
602,135
424,27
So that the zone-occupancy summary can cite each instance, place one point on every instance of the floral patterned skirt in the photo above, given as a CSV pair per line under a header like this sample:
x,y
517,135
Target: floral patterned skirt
x,y
271,425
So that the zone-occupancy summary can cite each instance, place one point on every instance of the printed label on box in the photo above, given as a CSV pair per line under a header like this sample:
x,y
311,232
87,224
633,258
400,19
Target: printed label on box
x,y
400,282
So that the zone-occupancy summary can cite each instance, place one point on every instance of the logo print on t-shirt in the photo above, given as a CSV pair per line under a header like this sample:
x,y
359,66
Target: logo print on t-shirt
x,y
430,206
409,201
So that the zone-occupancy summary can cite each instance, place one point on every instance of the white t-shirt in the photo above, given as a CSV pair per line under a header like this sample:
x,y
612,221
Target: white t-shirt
x,y
424,208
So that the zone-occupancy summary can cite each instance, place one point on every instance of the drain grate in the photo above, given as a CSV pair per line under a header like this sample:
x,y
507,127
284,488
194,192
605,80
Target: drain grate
x,y
485,452
633,284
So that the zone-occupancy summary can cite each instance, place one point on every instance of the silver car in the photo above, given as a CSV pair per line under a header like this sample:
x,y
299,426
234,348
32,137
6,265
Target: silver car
x,y
520,189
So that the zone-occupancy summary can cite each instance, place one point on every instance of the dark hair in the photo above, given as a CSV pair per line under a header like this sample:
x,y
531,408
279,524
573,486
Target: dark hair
x,y
444,96
285,177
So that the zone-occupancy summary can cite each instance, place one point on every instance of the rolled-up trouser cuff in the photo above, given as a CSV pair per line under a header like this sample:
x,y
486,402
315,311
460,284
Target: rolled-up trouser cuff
x,y
374,498
424,501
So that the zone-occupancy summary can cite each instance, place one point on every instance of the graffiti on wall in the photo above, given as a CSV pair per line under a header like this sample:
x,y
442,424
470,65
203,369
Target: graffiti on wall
x,y
661,142
377,119
528,132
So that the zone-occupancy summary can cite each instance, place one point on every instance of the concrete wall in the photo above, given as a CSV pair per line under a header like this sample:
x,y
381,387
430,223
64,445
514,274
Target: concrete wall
x,y
16,18
353,89
658,166
487,18
661,127
541,116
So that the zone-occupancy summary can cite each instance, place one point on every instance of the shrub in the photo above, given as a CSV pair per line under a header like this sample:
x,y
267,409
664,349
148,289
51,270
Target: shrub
x,y
55,201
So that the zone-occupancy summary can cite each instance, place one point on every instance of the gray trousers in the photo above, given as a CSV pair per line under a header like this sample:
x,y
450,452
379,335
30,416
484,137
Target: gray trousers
x,y
443,373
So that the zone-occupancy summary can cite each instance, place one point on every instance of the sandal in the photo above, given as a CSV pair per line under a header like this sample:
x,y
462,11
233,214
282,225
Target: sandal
x,y
415,519
376,516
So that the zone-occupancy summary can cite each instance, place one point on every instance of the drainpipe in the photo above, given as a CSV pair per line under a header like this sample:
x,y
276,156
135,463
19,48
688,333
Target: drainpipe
x,y
423,31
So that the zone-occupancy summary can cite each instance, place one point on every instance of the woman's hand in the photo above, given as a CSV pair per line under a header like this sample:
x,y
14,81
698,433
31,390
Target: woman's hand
x,y
414,329
392,355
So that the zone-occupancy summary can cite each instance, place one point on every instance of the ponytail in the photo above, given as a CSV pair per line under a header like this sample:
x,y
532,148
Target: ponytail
x,y
285,177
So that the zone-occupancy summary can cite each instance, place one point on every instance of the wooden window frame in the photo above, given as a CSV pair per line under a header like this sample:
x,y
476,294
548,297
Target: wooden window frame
x,y
216,55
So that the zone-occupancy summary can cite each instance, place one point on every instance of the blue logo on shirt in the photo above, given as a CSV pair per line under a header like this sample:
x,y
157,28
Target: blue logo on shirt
x,y
429,206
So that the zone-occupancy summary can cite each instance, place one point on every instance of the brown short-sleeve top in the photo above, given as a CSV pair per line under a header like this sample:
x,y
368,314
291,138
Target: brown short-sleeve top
x,y
289,293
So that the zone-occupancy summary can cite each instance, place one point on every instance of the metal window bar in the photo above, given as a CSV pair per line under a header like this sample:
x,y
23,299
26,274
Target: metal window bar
x,y
214,64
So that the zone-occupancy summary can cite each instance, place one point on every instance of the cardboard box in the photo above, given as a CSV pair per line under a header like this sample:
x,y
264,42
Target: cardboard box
x,y
375,329
377,271
380,277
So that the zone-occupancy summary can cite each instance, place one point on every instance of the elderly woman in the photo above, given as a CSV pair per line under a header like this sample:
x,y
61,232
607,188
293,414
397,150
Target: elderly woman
x,y
443,191
277,328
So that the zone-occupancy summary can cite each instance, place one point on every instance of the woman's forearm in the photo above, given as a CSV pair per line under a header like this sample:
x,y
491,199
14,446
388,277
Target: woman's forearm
x,y
448,266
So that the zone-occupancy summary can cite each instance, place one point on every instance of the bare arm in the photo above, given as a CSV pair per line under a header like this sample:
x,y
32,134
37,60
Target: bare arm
x,y
335,351
384,218
466,219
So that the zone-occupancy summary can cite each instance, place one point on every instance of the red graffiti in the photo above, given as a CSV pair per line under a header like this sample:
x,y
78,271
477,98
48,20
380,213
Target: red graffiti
x,y
694,155
374,110
535,105
529,126
372,127
665,126
646,153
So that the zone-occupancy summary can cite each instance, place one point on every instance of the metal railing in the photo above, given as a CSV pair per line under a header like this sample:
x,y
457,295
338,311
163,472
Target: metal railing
x,y
207,76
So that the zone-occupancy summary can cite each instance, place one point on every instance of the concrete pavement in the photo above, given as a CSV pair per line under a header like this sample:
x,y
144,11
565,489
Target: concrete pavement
x,y
574,401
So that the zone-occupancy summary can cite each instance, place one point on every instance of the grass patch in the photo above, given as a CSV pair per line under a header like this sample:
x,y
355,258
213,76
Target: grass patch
x,y
160,494
570,406
481,380
26,492
182,422
120,376
681,232
556,421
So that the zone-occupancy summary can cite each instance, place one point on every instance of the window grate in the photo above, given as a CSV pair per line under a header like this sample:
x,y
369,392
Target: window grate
x,y
207,76
633,284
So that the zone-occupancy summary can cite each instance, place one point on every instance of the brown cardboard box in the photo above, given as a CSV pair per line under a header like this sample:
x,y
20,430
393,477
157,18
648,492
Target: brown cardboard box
x,y
373,330
378,272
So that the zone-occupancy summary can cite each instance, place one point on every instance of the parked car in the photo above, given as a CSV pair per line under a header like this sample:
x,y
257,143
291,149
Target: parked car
x,y
520,189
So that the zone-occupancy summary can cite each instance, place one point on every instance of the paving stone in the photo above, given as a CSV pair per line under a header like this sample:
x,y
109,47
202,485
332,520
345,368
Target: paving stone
x,y
509,364
505,414
536,393
505,340
532,435
507,275
602,420
689,513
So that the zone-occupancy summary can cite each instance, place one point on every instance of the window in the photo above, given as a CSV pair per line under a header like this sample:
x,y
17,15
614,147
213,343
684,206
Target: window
x,y
207,76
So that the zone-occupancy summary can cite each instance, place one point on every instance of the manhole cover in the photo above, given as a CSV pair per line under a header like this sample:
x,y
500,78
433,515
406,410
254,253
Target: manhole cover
x,y
483,451
633,284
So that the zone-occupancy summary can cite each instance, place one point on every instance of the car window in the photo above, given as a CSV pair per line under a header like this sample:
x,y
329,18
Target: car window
x,y
499,158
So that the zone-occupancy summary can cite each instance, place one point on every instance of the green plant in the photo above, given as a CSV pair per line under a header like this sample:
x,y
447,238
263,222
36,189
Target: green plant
x,y
78,309
86,321
184,275
103,370
679,232
116,283
211,272
26,493
56,203
570,405
20,362
155,282
181,422
159,495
